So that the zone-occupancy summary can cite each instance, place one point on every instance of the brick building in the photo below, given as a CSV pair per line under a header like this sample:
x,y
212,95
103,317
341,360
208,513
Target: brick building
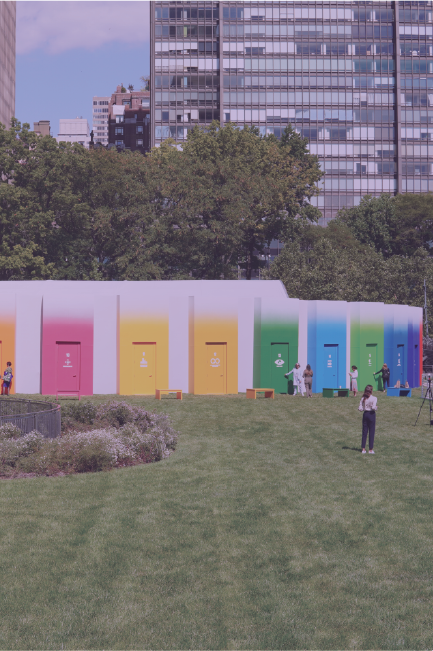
x,y
129,120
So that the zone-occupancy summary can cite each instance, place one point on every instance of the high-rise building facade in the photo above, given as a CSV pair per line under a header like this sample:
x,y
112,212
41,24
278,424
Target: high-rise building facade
x,y
355,78
100,119
7,61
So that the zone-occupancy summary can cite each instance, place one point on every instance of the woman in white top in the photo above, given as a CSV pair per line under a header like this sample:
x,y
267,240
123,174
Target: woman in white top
x,y
297,379
368,405
353,380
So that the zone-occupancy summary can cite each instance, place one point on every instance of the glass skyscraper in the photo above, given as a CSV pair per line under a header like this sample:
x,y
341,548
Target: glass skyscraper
x,y
355,78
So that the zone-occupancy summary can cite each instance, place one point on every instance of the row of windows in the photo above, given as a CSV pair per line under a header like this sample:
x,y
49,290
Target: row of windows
x,y
335,115
267,30
299,81
348,166
417,116
409,168
100,103
289,12
138,143
420,3
187,13
105,110
187,31
118,131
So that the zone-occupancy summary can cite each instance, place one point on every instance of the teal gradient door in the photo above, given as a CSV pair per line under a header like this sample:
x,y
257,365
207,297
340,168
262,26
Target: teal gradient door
x,y
330,364
279,363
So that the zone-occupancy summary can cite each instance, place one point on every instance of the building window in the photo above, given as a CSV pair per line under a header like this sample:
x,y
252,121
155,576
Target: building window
x,y
125,102
139,142
138,129
145,102
118,131
95,103
120,119
119,143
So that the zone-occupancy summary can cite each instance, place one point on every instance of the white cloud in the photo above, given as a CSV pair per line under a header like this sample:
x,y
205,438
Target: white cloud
x,y
59,26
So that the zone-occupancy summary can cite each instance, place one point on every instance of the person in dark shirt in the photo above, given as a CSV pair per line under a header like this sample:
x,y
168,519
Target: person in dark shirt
x,y
385,376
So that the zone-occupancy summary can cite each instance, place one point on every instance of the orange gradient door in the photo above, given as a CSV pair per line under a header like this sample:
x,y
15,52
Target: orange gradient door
x,y
144,365
216,376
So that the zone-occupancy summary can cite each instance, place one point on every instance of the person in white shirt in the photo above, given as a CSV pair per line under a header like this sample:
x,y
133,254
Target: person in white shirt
x,y
368,405
353,380
297,379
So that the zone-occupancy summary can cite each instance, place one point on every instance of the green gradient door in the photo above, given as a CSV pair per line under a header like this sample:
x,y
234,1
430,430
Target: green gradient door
x,y
279,364
371,359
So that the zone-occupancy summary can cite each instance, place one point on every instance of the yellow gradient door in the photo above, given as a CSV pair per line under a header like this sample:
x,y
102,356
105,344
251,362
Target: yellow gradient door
x,y
144,365
216,376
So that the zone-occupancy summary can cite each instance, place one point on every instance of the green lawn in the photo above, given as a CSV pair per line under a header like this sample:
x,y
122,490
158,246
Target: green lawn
x,y
266,529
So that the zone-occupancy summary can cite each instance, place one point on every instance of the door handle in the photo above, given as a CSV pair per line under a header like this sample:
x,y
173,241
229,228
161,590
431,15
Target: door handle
x,y
74,376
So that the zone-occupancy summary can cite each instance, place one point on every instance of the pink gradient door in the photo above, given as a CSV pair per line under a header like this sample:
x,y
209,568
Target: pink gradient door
x,y
68,366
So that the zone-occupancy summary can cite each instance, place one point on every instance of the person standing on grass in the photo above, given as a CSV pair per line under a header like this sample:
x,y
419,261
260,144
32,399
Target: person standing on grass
x,y
7,379
368,405
297,379
354,380
308,380
385,376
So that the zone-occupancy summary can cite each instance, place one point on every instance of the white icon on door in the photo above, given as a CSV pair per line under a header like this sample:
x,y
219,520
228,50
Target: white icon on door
x,y
329,364
143,363
68,363
398,360
369,360
215,361
279,362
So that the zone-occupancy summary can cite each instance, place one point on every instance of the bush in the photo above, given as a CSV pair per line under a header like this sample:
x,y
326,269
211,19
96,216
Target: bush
x,y
77,414
13,447
121,435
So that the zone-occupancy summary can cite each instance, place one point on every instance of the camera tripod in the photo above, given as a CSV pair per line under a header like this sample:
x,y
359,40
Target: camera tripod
x,y
428,396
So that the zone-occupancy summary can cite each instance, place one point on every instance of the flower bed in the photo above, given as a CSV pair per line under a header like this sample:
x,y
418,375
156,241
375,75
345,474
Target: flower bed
x,y
94,438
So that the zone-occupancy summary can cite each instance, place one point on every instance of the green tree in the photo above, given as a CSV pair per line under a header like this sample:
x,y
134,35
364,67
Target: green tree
x,y
70,213
373,222
392,225
228,193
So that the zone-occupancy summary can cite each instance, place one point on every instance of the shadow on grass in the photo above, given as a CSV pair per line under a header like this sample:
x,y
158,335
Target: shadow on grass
x,y
346,447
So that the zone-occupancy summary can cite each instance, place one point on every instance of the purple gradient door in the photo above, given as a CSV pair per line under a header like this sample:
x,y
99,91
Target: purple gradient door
x,y
68,366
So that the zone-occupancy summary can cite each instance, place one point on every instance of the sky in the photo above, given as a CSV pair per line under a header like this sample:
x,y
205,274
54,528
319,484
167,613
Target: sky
x,y
67,52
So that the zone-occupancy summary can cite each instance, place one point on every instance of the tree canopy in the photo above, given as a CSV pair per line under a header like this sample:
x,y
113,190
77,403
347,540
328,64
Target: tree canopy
x,y
70,213
377,251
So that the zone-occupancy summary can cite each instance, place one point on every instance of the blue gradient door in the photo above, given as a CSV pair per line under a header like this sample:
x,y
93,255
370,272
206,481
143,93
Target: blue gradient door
x,y
330,364
400,372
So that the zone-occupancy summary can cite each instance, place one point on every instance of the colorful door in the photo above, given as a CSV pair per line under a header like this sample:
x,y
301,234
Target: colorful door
x,y
279,363
371,357
415,370
330,362
400,372
216,368
144,365
68,366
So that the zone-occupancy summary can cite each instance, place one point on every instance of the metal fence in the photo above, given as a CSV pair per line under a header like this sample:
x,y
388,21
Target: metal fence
x,y
29,415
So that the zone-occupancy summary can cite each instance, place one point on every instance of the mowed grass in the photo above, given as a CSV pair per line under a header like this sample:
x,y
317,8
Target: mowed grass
x,y
266,529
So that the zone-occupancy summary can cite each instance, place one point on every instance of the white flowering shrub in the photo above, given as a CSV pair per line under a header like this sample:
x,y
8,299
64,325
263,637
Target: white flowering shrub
x,y
130,435
13,448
